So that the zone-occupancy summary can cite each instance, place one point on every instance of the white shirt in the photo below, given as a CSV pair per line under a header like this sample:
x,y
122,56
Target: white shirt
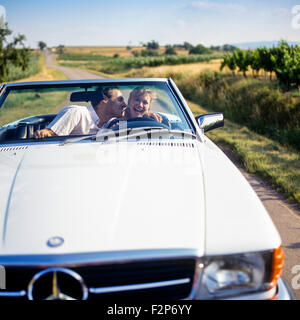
x,y
75,120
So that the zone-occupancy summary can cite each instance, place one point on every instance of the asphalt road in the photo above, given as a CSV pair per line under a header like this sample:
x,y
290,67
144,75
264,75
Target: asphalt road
x,y
70,73
285,216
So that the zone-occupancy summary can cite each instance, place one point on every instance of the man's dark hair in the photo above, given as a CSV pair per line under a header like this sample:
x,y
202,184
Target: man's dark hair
x,y
101,93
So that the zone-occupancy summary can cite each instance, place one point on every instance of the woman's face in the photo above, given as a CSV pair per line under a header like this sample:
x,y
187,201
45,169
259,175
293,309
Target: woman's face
x,y
139,105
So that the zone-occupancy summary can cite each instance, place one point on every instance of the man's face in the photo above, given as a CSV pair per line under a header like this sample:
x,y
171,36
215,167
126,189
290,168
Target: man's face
x,y
116,104
139,105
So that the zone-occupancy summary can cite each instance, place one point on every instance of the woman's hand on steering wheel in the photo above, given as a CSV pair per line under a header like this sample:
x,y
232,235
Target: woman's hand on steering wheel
x,y
155,116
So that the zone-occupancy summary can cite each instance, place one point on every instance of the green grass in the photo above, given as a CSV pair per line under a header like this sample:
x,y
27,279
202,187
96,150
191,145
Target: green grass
x,y
123,64
260,155
83,56
259,105
16,73
21,105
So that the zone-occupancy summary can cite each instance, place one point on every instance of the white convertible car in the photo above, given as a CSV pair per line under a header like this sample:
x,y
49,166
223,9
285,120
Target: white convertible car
x,y
145,207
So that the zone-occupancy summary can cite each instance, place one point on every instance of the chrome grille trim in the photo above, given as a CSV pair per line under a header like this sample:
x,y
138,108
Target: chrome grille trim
x,y
140,286
102,259
12,293
97,258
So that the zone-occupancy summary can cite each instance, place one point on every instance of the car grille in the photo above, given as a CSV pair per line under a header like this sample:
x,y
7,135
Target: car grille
x,y
163,279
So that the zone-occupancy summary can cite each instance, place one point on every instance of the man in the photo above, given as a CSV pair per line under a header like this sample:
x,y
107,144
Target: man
x,y
77,120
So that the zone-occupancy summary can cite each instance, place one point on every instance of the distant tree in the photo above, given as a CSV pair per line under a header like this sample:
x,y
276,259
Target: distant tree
x,y
170,50
178,45
152,45
229,61
187,46
242,60
149,52
9,53
229,47
60,49
42,45
216,48
268,59
199,49
116,55
255,62
287,66
129,47
136,53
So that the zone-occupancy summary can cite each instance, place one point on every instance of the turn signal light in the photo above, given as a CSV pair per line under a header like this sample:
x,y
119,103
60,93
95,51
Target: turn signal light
x,y
277,266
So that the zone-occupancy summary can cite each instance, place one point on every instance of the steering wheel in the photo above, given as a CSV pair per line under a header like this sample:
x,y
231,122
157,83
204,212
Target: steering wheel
x,y
113,122
137,122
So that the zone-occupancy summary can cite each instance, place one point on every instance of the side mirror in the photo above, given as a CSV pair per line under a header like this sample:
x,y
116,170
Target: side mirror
x,y
210,121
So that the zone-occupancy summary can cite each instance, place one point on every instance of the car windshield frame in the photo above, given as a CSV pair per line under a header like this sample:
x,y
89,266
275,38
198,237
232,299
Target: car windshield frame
x,y
170,89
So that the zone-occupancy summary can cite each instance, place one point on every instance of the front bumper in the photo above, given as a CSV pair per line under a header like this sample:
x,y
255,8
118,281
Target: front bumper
x,y
284,292
281,292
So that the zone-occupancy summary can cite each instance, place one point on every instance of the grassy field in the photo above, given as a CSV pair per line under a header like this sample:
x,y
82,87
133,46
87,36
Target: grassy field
x,y
111,51
174,71
124,64
27,104
22,105
44,74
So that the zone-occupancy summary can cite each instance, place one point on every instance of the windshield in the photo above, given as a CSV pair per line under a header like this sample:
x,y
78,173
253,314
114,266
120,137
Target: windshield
x,y
39,113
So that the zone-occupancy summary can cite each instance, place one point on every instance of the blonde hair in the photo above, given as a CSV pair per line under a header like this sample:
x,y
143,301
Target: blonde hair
x,y
136,92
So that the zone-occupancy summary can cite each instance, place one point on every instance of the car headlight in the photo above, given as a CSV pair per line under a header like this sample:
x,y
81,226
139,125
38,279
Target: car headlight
x,y
234,275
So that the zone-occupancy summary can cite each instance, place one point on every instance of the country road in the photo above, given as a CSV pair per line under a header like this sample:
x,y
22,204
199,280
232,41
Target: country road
x,y
285,216
70,73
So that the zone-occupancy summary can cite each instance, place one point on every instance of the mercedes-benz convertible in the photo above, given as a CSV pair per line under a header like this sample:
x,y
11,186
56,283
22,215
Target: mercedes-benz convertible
x,y
145,206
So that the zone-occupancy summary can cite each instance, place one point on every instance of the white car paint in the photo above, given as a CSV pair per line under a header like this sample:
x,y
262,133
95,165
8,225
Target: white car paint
x,y
129,196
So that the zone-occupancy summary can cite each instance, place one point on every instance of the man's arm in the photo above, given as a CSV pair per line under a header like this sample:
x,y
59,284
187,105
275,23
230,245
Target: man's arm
x,y
40,134
61,125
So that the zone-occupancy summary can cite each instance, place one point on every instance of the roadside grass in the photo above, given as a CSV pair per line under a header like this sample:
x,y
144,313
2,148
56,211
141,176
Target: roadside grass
x,y
113,66
45,73
15,73
158,72
179,71
276,164
22,105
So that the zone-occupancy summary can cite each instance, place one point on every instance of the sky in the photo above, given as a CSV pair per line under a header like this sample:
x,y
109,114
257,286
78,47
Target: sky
x,y
130,22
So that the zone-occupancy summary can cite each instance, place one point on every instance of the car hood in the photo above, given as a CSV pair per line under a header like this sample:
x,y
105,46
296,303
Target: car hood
x,y
101,197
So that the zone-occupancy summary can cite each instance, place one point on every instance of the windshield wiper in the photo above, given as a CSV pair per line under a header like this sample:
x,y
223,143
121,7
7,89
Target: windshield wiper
x,y
137,132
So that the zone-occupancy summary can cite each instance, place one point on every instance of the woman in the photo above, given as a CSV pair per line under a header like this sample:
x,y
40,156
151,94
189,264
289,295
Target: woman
x,y
139,104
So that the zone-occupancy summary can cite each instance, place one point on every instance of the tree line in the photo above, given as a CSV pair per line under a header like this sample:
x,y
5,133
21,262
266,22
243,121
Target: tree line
x,y
152,47
283,60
